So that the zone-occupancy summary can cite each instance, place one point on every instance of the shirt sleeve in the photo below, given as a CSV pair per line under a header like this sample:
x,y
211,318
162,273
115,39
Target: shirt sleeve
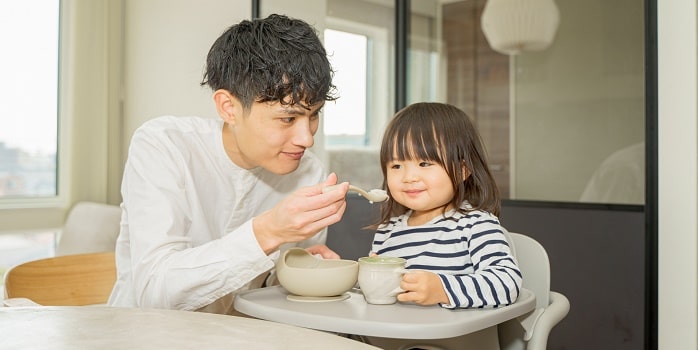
x,y
167,269
496,280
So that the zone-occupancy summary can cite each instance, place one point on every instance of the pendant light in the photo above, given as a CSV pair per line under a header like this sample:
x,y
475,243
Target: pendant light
x,y
514,26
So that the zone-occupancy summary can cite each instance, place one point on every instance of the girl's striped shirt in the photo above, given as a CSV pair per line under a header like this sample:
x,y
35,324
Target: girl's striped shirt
x,y
469,251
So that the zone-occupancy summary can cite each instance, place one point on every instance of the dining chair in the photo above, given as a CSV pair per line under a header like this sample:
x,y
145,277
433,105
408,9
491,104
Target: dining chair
x,y
90,228
531,331
68,280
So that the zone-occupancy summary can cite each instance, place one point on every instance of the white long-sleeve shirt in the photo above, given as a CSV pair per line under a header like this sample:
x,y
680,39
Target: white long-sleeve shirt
x,y
186,239
469,252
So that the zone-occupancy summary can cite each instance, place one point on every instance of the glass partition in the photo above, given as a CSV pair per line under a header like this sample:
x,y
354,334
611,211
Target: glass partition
x,y
563,124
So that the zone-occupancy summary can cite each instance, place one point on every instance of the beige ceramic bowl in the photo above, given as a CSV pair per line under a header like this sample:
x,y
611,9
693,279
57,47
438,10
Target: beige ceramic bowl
x,y
306,275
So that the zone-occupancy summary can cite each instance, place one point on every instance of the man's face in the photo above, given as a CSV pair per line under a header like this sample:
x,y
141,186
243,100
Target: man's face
x,y
272,136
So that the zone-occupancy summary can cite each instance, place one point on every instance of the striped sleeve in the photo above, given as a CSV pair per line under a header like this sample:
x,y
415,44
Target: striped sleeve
x,y
496,278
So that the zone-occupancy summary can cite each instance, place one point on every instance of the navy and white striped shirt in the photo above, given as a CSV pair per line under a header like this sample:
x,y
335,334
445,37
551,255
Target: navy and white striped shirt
x,y
469,252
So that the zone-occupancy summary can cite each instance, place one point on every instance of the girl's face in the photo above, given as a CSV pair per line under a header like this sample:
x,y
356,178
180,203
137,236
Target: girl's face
x,y
420,185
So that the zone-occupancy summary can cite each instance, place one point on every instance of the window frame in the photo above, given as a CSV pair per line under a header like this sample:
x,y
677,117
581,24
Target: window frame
x,y
60,199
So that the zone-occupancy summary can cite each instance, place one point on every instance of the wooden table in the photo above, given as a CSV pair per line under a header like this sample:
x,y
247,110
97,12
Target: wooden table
x,y
102,327
354,316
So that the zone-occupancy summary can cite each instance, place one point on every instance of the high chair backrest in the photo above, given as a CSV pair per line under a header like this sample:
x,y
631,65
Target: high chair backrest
x,y
531,331
80,279
534,265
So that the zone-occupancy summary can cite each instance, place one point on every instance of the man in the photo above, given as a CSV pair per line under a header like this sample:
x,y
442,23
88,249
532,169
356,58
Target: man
x,y
208,203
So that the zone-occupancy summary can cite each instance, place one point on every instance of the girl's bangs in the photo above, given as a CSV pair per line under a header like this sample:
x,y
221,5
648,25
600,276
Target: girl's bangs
x,y
416,144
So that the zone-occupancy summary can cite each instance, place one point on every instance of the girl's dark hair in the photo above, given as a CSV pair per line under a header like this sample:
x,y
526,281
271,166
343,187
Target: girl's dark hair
x,y
443,134
271,59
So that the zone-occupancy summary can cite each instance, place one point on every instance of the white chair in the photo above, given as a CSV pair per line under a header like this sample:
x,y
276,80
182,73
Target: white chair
x,y
90,228
531,331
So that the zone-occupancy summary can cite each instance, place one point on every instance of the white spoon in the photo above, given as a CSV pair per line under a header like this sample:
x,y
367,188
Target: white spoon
x,y
374,195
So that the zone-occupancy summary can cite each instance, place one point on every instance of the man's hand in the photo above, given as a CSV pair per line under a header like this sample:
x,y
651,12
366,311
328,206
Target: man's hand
x,y
422,287
301,215
323,250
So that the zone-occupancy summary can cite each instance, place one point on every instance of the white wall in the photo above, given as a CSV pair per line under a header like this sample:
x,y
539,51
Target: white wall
x,y
678,194
166,43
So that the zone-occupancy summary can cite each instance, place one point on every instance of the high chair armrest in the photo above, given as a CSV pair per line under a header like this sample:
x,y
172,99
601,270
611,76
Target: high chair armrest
x,y
557,310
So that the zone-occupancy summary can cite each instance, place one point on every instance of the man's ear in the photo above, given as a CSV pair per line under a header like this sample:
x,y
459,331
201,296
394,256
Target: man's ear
x,y
228,106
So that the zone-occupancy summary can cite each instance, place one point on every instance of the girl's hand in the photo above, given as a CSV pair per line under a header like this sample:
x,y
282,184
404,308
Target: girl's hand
x,y
423,288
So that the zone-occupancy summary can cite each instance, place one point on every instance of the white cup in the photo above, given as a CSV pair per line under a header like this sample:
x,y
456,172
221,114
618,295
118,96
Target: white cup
x,y
380,277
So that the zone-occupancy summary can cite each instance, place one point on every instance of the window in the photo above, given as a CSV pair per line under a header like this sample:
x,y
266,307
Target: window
x,y
29,32
357,38
345,118
357,51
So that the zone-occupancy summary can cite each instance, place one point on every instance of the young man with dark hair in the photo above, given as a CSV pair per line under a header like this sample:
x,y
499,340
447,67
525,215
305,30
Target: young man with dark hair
x,y
208,203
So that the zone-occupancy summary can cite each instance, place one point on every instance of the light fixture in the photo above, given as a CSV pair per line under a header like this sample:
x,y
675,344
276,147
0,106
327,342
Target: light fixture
x,y
513,26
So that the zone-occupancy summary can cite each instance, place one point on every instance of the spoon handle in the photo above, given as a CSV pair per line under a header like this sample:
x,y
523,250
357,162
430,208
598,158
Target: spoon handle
x,y
358,190
330,188
369,196
352,188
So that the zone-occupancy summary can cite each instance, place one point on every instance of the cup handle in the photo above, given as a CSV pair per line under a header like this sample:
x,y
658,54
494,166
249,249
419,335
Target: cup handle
x,y
399,290
396,291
